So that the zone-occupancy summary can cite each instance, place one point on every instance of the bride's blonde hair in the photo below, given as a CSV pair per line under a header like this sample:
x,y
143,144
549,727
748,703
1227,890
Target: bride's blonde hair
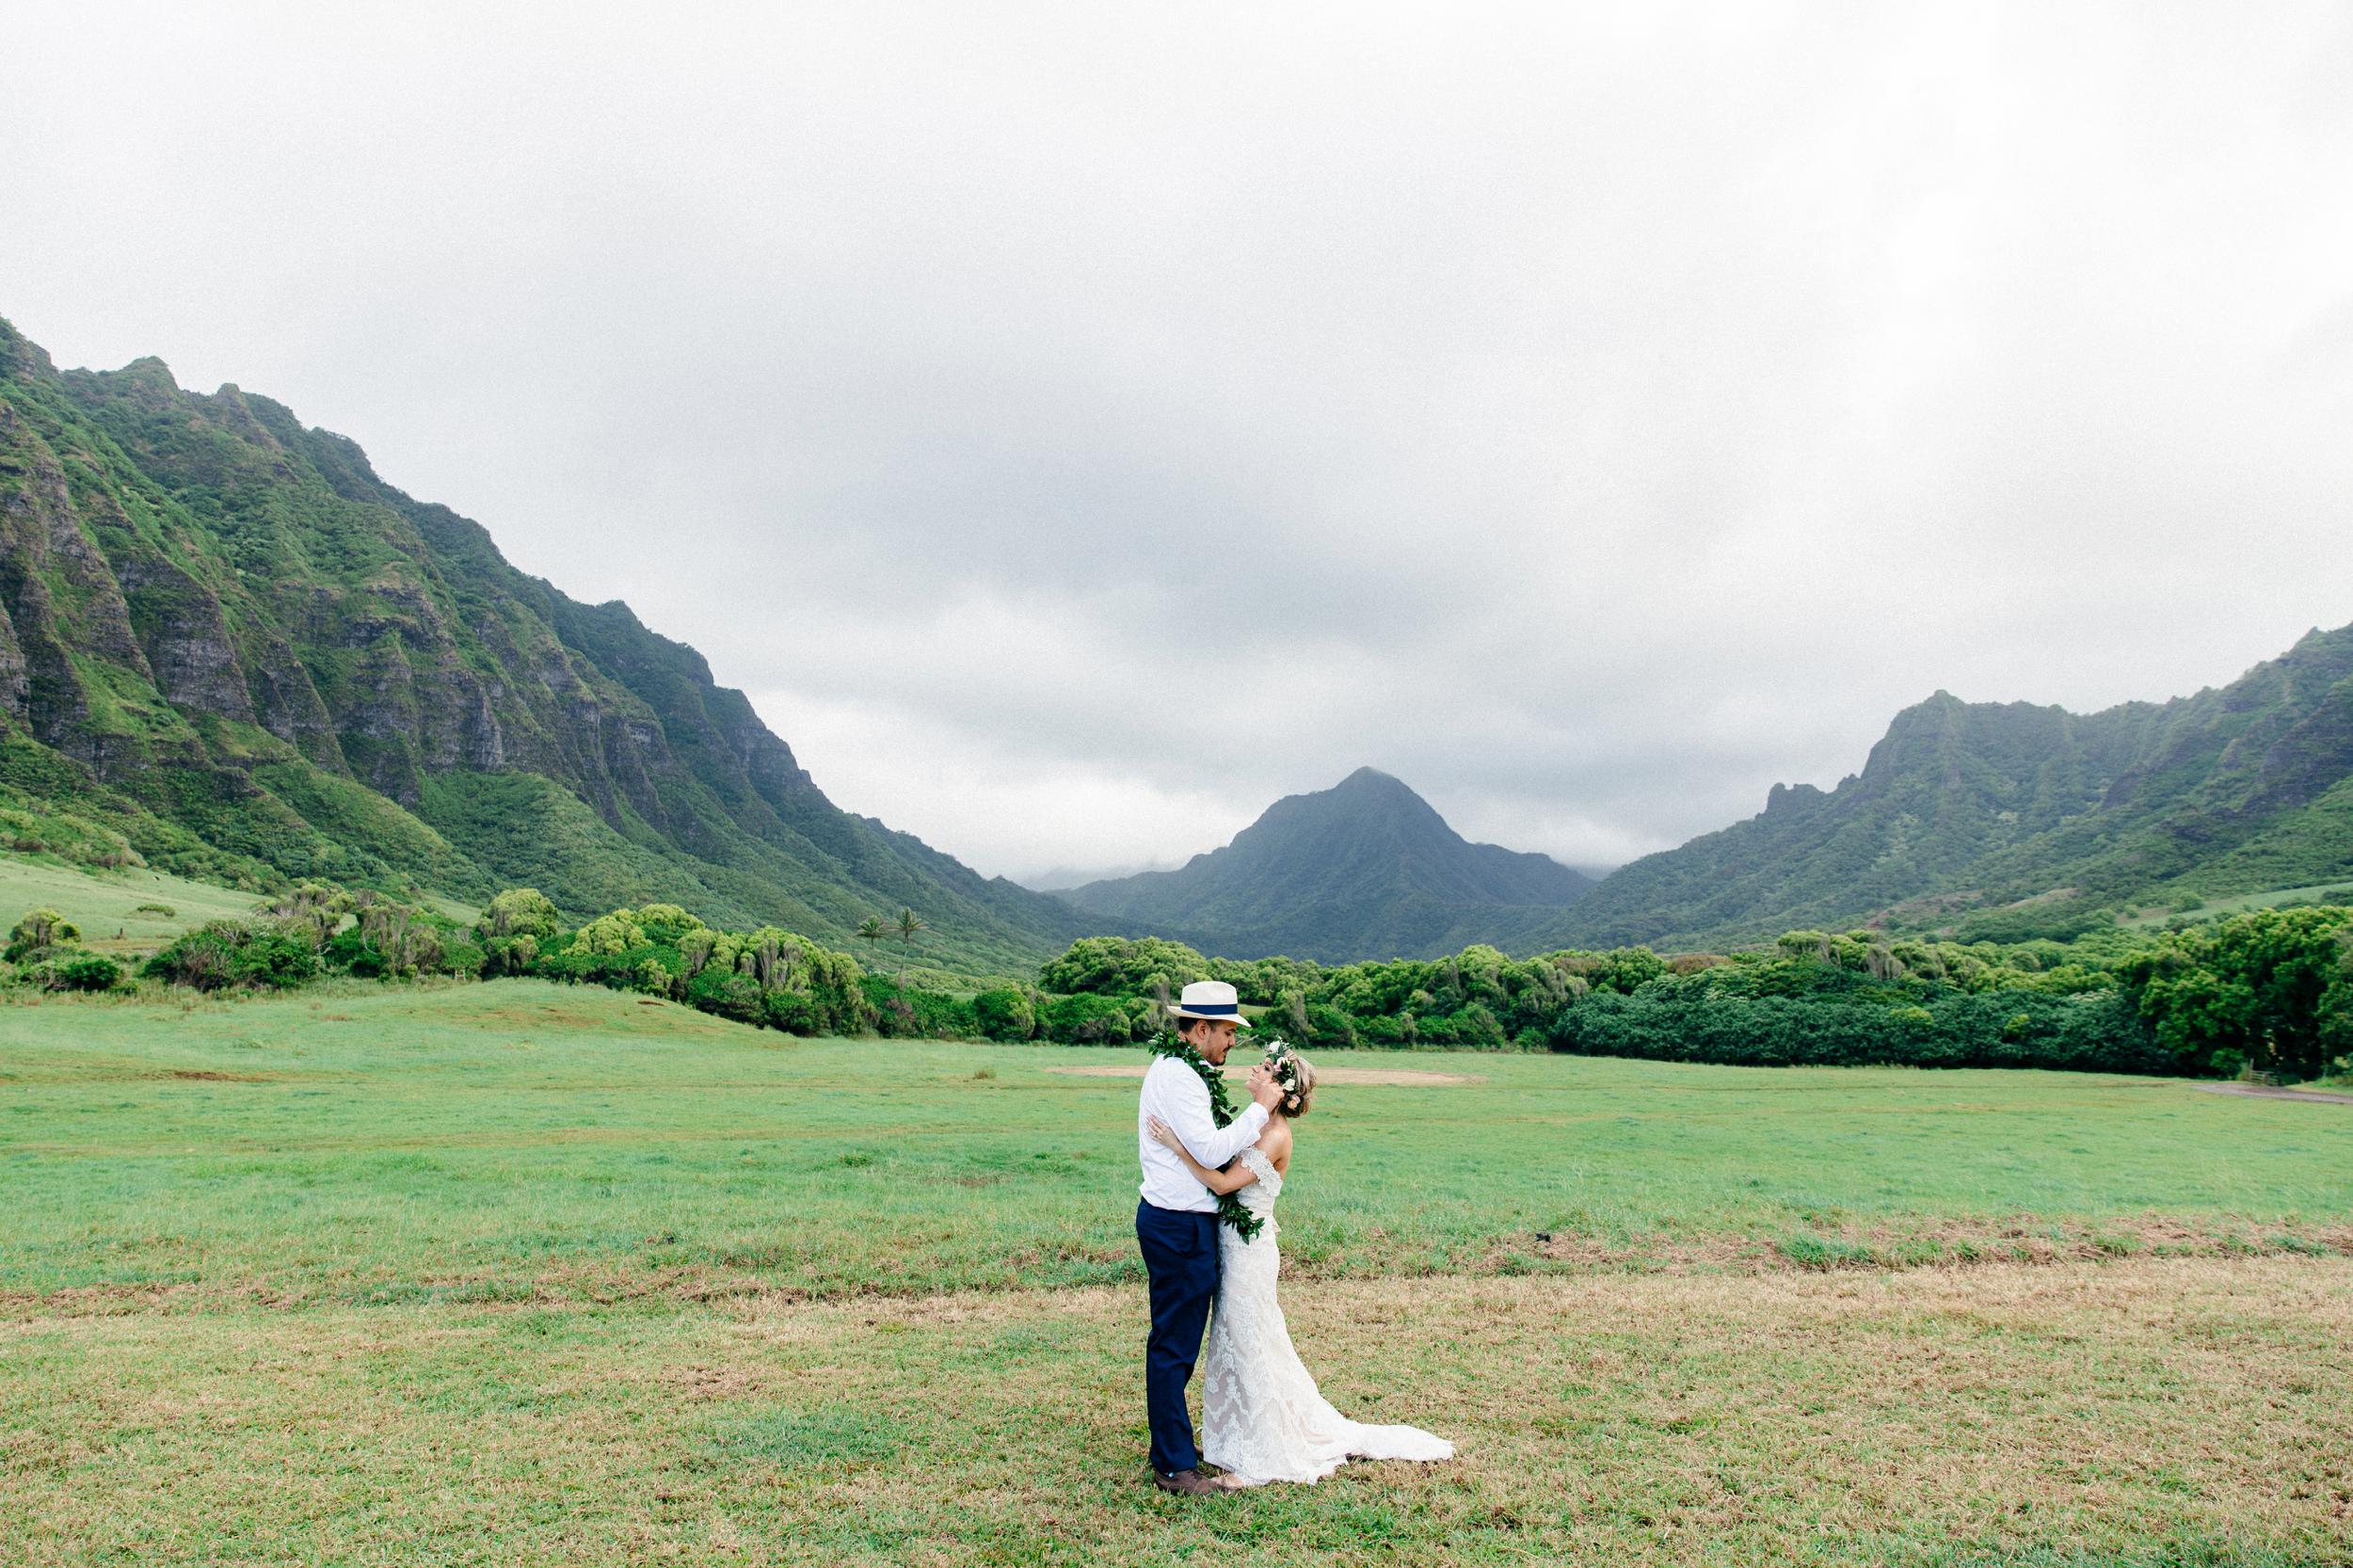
x,y
1297,1077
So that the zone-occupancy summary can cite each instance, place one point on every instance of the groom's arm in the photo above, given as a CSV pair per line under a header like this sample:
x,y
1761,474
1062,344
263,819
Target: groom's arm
x,y
1211,1144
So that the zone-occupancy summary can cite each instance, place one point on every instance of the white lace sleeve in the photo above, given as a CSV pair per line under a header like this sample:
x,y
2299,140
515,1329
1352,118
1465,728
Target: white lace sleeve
x,y
1260,1166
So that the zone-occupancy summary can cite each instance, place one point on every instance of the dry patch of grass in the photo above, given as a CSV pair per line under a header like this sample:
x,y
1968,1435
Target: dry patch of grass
x,y
2261,1091
2147,1411
2019,1238
2023,1239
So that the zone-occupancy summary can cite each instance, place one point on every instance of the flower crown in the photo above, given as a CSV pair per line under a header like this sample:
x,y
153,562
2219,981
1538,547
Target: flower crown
x,y
1285,1063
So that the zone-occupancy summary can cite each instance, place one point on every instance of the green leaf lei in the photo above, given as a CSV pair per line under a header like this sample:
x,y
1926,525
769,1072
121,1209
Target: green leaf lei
x,y
1230,1208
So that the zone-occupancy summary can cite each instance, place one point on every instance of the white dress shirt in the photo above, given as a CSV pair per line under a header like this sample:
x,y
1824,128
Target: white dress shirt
x,y
1175,1093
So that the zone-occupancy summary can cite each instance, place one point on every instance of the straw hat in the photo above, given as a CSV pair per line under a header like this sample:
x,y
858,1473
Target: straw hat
x,y
1209,999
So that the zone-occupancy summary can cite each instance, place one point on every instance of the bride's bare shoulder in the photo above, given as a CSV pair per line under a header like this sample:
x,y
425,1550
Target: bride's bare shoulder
x,y
1276,1141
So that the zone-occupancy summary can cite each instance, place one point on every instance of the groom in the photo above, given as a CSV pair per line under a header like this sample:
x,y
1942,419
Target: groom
x,y
1176,1222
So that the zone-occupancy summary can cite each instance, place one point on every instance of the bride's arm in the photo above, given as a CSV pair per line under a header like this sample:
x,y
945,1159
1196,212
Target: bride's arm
x,y
1230,1180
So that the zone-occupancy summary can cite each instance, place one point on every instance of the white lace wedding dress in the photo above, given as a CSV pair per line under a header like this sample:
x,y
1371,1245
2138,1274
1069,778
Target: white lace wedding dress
x,y
1261,1417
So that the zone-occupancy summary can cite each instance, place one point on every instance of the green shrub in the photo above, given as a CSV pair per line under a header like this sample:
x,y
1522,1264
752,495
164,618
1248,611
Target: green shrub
x,y
792,1012
73,969
1124,966
1088,1020
519,912
2270,986
1005,1014
912,1012
609,936
225,954
2098,1032
726,994
508,956
37,930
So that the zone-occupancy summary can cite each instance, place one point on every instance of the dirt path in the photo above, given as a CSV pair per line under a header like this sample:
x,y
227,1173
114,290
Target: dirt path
x,y
2264,1092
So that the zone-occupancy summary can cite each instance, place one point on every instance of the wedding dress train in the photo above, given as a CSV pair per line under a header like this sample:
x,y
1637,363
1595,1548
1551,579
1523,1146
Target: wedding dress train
x,y
1262,1419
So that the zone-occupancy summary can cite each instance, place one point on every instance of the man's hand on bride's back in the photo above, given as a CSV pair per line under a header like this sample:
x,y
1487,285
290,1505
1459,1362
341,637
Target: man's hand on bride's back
x,y
1263,1087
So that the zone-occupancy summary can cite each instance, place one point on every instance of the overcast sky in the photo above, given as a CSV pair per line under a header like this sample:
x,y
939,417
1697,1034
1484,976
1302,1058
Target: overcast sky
x,y
1078,425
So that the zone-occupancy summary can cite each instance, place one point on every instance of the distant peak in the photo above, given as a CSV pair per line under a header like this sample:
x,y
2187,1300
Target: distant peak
x,y
19,357
1363,776
147,368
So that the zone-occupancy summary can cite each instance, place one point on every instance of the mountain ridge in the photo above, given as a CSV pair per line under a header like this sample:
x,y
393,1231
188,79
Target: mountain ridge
x,y
1365,869
1963,810
229,647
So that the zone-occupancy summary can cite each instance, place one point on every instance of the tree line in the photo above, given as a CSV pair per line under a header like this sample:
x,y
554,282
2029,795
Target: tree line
x,y
2268,991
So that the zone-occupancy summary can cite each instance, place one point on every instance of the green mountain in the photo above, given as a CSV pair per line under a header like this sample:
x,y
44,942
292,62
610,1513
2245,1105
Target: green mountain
x,y
2009,819
230,648
1363,869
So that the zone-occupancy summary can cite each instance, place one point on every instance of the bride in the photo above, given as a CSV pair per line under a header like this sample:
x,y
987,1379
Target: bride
x,y
1262,1419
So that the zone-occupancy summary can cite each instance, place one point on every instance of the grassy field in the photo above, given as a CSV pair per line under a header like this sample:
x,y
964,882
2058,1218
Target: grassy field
x,y
2318,893
521,1273
106,904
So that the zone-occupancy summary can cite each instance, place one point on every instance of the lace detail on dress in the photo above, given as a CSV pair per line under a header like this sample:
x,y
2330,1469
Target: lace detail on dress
x,y
1261,1416
1258,1197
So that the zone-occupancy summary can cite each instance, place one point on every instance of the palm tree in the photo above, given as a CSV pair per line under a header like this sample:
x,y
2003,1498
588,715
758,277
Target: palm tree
x,y
909,923
871,929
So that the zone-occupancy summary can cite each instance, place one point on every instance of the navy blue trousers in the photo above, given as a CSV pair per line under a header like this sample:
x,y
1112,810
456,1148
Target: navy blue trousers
x,y
1180,1259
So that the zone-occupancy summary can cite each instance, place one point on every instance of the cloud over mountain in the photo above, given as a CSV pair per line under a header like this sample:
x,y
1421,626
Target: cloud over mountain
x,y
1128,416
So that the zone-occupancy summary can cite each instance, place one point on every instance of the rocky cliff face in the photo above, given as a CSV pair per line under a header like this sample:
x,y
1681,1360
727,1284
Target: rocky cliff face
x,y
236,629
1971,806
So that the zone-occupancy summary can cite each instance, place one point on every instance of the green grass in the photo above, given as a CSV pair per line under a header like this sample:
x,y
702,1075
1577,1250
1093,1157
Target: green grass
x,y
523,1139
103,902
2318,892
2137,1412
518,1274
106,903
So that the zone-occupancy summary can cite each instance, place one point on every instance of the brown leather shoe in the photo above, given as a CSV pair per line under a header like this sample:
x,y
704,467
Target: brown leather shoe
x,y
1190,1483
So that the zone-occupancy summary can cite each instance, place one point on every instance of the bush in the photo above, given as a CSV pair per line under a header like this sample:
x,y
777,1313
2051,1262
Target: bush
x,y
1124,966
789,1012
73,969
609,936
504,955
726,994
519,912
232,953
1087,1019
913,1012
39,930
2098,1032
2269,985
1005,1014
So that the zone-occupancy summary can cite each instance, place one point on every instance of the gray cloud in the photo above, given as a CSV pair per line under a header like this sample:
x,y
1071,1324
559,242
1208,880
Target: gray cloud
x,y
1077,425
